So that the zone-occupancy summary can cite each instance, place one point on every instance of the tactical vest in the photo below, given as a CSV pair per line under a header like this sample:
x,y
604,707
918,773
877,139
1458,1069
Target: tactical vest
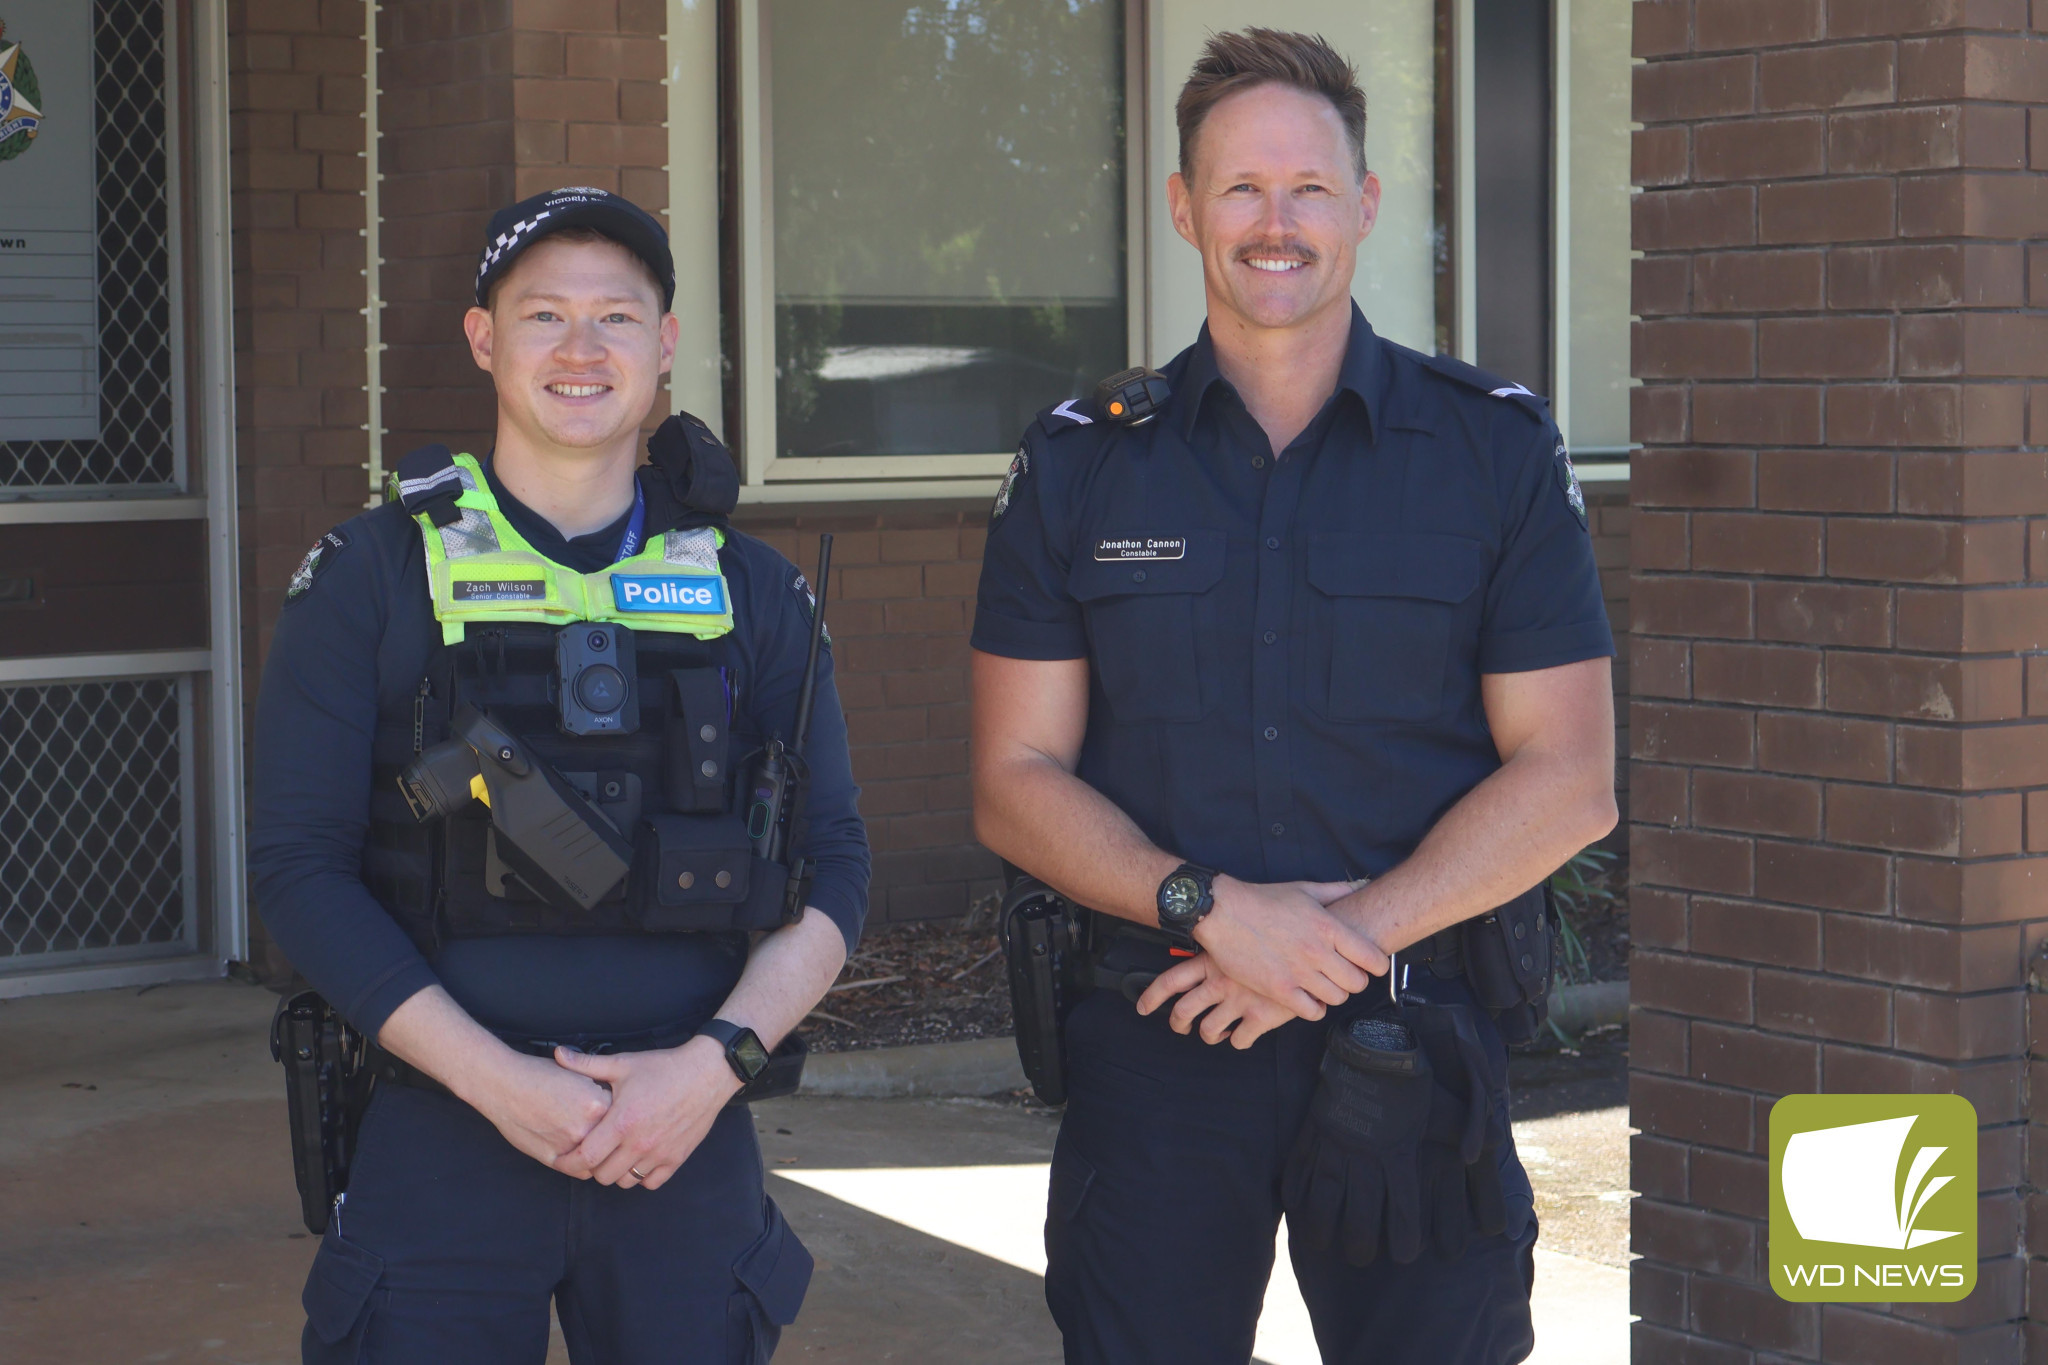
x,y
667,786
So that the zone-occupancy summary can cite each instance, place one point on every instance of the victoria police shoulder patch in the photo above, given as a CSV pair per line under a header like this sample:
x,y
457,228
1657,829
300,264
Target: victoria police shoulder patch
x,y
1019,467
316,560
801,586
1568,482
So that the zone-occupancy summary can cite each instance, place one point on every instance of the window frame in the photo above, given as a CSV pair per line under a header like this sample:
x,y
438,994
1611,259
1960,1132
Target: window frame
x,y
1603,465
747,263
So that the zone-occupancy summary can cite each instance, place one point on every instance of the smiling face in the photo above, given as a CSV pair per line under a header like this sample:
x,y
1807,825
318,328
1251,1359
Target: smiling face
x,y
1274,203
576,341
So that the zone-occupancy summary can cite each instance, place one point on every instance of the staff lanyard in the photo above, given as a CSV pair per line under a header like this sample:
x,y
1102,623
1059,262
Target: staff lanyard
x,y
636,529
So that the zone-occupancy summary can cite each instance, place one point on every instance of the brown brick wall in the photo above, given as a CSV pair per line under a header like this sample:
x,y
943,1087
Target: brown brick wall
x,y
901,603
1835,743
1607,517
295,141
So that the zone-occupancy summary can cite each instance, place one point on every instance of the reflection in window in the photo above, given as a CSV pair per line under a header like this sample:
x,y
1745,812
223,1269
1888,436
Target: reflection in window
x,y
948,207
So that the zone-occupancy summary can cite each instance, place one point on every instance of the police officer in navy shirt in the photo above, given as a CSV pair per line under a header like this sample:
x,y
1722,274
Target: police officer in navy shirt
x,y
1301,688
551,1118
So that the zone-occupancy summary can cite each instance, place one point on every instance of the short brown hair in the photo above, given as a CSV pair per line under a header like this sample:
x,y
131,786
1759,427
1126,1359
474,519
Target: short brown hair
x,y
1231,62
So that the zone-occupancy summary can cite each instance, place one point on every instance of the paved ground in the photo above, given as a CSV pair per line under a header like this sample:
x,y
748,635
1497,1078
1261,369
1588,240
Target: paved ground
x,y
147,1210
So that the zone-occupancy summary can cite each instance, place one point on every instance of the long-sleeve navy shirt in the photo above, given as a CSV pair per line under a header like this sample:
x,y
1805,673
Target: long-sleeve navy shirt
x,y
359,634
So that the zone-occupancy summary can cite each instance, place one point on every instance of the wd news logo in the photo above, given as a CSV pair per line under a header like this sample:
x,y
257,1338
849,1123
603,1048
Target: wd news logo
x,y
1873,1198
667,593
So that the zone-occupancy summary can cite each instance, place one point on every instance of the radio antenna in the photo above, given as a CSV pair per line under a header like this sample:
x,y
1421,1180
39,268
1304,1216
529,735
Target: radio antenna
x,y
810,688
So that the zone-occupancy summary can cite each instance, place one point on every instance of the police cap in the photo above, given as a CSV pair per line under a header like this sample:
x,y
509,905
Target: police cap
x,y
515,229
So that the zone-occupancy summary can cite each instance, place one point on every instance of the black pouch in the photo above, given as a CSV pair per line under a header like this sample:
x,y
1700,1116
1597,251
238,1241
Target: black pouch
x,y
1037,929
784,1074
1508,958
697,741
699,873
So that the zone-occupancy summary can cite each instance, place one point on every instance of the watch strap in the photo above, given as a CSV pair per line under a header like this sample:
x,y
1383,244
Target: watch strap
x,y
728,1033
1183,936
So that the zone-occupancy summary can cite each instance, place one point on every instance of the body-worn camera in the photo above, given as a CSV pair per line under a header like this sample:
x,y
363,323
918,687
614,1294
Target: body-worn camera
x,y
595,692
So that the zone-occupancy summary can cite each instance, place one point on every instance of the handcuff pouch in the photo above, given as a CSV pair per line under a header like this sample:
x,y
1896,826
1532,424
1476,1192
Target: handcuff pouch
x,y
701,873
1509,954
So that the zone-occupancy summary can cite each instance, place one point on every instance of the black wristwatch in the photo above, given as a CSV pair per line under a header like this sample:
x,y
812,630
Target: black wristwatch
x,y
1184,897
743,1050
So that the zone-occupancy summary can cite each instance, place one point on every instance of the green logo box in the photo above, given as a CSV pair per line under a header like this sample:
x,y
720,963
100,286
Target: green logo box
x,y
1873,1198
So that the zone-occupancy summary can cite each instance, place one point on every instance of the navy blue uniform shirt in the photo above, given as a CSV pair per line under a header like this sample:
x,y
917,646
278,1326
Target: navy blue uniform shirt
x,y
361,632
1286,653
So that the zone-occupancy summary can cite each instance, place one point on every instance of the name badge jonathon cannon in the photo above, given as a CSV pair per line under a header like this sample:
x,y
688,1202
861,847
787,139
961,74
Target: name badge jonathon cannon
x,y
1142,547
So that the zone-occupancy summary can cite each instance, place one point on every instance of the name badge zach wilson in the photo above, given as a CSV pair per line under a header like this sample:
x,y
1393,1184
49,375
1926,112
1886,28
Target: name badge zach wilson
x,y
1142,547
655,592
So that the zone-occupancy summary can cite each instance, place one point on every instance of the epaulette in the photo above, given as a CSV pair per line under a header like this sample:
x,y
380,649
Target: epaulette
x,y
695,467
1472,377
427,480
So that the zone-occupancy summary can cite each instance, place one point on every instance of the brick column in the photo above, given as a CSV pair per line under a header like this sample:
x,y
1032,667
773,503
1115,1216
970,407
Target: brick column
x,y
484,105
1837,729
296,144
295,136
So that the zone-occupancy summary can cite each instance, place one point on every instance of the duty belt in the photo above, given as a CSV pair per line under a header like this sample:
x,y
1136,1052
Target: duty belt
x,y
1441,952
398,1071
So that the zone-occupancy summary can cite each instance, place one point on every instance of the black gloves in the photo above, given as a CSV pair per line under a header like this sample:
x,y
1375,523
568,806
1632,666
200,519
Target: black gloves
x,y
1402,1139
1356,1166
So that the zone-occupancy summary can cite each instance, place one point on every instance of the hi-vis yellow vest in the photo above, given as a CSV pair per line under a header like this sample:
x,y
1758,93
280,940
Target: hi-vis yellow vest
x,y
480,569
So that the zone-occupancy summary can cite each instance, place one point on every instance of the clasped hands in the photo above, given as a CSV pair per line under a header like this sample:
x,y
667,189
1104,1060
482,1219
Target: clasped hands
x,y
603,1117
1270,953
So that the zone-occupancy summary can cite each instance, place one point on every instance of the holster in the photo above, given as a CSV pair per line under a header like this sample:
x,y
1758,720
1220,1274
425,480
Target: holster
x,y
1509,955
326,1088
1038,932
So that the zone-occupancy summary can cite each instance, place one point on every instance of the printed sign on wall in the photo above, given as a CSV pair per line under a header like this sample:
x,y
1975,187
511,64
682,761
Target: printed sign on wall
x,y
49,286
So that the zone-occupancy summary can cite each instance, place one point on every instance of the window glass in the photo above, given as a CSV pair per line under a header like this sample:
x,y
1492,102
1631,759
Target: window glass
x,y
947,193
1599,133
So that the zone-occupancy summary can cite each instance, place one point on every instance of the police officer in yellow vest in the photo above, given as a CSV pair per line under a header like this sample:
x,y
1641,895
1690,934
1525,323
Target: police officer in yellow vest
x,y
563,1010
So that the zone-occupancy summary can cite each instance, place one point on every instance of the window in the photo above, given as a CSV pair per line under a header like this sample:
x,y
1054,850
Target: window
x,y
940,188
1593,263
1541,260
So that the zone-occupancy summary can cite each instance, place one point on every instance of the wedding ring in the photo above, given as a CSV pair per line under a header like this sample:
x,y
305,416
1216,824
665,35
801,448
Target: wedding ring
x,y
638,1174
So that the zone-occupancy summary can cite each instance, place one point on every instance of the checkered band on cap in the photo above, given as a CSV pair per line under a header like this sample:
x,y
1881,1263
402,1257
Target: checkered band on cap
x,y
504,242
514,229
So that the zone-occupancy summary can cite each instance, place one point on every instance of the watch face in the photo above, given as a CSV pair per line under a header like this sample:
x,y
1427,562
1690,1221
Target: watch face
x,y
748,1051
1180,897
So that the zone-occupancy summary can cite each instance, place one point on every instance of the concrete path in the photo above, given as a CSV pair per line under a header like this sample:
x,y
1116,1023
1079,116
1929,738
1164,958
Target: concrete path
x,y
147,1211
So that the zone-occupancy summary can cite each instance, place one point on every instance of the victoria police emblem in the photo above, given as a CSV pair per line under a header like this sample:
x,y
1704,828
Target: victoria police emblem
x,y
21,99
315,560
1019,467
1568,480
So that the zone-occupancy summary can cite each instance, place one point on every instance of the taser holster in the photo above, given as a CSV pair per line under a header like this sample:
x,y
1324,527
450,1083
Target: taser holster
x,y
557,842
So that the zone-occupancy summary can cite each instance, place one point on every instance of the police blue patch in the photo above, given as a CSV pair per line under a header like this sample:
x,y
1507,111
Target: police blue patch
x,y
669,594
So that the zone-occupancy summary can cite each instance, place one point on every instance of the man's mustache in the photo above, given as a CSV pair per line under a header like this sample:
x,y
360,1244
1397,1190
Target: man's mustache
x,y
1287,249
